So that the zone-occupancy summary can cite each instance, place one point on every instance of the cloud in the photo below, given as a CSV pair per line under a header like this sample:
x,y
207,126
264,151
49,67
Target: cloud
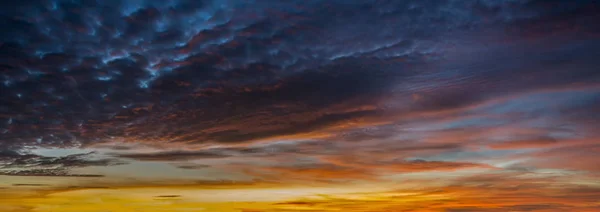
x,y
173,156
58,172
577,157
312,91
524,144
29,184
344,169
423,165
124,73
509,191
14,163
312,172
193,166
13,159
168,196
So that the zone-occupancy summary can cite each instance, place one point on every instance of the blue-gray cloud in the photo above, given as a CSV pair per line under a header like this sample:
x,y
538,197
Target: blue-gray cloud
x,y
80,72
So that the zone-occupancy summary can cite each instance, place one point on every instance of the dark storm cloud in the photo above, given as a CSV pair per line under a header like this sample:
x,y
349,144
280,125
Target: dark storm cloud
x,y
233,71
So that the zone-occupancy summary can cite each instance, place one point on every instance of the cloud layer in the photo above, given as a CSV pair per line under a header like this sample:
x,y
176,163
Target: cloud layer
x,y
310,92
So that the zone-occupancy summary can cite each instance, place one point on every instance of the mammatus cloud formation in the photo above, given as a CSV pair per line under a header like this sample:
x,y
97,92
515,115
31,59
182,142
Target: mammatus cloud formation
x,y
440,103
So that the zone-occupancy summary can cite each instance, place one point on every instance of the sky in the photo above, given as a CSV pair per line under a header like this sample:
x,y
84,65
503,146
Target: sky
x,y
312,105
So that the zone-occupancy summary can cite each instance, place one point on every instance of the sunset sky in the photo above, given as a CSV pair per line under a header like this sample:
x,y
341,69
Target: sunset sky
x,y
299,105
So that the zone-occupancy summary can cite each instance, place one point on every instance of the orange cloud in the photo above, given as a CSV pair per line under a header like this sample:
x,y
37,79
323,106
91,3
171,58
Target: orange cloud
x,y
524,144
